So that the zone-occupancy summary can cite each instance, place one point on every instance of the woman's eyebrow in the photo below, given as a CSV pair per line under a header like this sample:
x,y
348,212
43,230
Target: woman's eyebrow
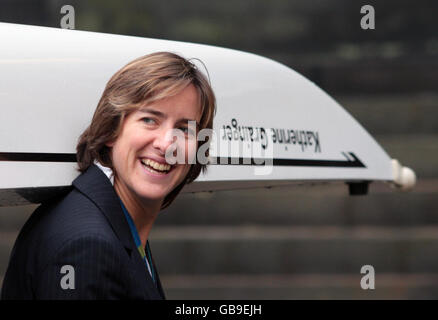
x,y
154,112
163,115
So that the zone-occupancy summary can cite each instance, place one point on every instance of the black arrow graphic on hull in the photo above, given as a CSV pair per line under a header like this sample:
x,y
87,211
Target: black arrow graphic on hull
x,y
349,163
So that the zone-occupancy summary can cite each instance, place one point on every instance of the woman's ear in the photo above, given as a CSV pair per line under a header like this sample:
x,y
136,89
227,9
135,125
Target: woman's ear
x,y
110,144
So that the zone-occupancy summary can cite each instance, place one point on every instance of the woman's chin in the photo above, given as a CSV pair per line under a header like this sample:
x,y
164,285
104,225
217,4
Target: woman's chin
x,y
150,193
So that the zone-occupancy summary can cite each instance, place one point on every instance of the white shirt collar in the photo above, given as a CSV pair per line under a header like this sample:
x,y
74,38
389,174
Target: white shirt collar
x,y
108,172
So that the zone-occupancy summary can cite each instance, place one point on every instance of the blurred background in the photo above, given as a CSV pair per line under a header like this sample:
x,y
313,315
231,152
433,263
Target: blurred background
x,y
300,242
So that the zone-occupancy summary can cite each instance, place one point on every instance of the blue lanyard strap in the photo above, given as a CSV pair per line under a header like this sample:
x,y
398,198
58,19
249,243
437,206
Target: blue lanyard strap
x,y
146,256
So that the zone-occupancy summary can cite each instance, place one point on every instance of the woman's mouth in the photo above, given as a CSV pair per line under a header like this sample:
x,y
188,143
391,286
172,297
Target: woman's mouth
x,y
155,167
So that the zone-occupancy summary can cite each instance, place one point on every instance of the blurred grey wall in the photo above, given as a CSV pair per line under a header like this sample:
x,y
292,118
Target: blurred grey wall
x,y
295,242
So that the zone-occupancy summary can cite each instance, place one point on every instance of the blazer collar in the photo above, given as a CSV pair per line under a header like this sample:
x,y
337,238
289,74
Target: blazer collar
x,y
95,185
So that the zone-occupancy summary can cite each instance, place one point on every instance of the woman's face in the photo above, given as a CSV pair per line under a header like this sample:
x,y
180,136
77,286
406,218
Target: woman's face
x,y
141,146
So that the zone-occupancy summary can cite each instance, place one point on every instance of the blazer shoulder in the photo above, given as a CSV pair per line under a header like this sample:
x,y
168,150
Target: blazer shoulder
x,y
61,221
74,214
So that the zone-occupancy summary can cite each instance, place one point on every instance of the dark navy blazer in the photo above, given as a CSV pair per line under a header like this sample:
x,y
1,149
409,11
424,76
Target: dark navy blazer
x,y
85,229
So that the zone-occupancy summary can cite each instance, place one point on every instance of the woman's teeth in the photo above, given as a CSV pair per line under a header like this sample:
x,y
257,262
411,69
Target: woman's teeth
x,y
159,167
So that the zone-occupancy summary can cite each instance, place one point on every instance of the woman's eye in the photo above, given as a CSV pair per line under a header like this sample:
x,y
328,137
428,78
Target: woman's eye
x,y
187,131
148,120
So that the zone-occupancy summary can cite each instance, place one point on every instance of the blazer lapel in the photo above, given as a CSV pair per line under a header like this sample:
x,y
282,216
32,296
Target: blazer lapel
x,y
158,286
95,185
142,271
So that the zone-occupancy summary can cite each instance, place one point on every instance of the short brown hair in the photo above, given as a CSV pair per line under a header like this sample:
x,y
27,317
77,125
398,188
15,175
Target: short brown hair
x,y
144,80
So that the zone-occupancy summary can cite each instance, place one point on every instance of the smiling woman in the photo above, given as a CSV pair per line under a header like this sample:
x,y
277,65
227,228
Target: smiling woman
x,y
99,230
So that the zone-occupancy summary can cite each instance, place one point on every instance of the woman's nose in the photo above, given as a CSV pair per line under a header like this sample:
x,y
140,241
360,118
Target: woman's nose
x,y
164,139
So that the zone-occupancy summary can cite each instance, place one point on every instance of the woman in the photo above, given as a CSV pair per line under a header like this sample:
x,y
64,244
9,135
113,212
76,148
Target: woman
x,y
92,242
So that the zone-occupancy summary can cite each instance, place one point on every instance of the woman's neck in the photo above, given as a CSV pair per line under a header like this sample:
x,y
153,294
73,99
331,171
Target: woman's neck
x,y
143,213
